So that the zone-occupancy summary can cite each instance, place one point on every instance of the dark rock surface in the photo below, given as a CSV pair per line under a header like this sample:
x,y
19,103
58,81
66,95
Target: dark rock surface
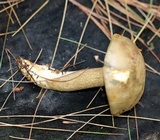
x,y
42,32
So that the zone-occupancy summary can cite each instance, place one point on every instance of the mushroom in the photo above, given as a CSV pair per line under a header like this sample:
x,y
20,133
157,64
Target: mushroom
x,y
123,75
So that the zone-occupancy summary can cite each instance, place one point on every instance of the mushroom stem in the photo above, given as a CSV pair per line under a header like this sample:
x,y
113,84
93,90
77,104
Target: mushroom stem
x,y
49,78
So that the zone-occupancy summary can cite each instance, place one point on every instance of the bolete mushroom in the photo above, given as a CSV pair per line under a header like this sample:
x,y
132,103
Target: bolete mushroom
x,y
123,75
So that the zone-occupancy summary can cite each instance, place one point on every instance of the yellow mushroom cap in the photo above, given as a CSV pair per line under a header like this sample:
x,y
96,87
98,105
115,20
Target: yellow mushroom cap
x,y
124,74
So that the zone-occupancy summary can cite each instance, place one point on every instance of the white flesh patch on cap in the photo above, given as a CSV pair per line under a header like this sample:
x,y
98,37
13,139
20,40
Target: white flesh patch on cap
x,y
121,76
